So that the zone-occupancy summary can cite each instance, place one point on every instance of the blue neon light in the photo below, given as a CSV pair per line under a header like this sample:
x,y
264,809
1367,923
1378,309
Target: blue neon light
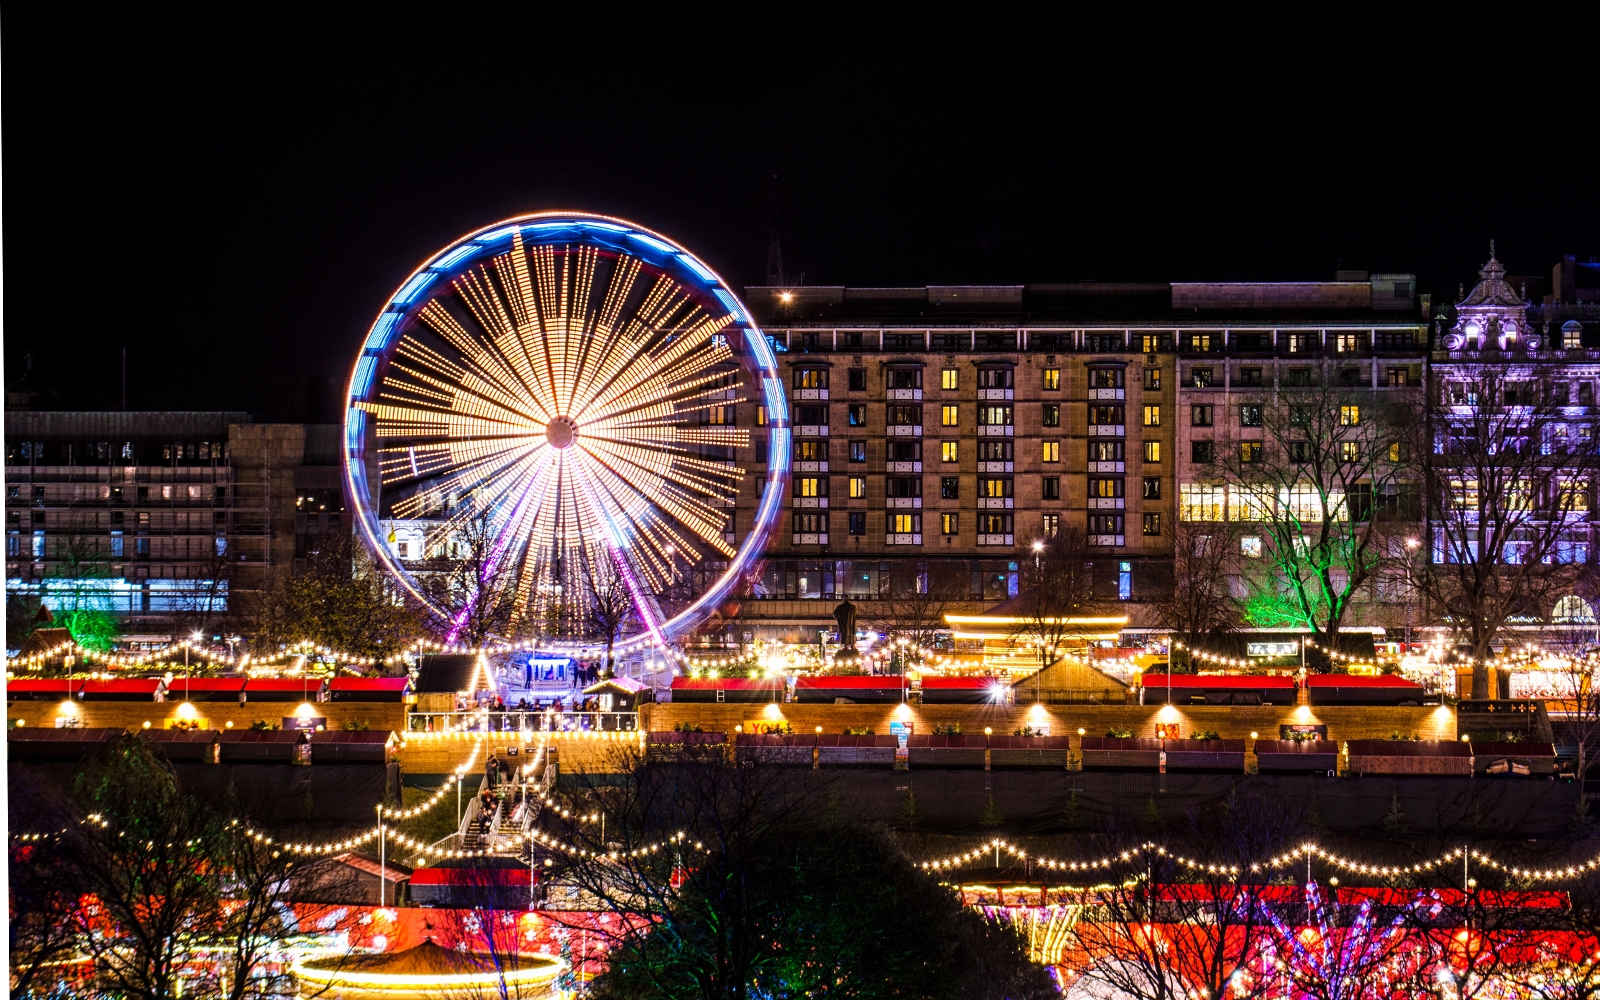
x,y
606,225
413,288
550,225
382,331
699,268
651,241
453,257
728,302
365,369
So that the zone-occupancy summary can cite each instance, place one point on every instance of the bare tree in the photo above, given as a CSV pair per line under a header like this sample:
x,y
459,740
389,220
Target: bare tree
x,y
1201,604
477,588
1057,589
339,601
917,614
1506,485
608,609
1326,483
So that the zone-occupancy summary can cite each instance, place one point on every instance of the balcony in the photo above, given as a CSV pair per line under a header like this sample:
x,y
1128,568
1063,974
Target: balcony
x,y
1107,503
996,503
903,503
1108,541
1107,466
811,539
996,393
905,395
894,539
811,467
1106,394
995,430
997,539
905,466
811,430
996,466
905,430
804,502
1108,430
810,394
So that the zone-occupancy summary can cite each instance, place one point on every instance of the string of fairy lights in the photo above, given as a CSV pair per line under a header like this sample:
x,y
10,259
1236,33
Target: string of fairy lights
x,y
1137,855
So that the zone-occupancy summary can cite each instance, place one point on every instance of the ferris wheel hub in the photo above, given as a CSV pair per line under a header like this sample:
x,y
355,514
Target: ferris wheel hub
x,y
561,432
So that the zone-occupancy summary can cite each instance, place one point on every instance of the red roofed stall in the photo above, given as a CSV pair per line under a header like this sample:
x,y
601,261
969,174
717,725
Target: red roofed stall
x,y
392,689
142,689
207,689
828,689
963,690
1217,689
58,689
727,689
281,689
1351,689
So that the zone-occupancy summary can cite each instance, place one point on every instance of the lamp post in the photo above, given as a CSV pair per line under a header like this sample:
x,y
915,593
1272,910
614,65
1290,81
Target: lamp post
x,y
382,864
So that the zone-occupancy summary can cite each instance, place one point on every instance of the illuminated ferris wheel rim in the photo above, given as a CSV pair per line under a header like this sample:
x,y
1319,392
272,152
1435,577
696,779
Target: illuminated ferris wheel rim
x,y
607,234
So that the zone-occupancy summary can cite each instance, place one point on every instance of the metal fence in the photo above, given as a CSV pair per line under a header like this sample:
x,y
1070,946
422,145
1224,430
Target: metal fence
x,y
515,722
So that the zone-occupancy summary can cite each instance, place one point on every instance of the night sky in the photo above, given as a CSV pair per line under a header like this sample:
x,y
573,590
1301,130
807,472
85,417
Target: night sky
x,y
233,199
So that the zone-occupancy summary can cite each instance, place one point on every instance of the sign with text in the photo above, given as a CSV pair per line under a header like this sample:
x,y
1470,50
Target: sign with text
x,y
1320,730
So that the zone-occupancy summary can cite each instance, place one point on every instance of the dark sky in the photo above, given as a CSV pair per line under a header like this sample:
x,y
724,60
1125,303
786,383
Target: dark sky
x,y
229,199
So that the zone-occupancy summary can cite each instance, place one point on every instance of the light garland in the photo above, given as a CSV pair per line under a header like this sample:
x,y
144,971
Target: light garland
x,y
1291,857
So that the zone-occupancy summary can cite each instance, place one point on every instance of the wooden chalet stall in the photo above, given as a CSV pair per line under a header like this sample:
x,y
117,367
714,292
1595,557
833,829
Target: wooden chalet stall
x,y
1513,760
1297,756
774,749
1430,757
286,690
55,689
1111,753
37,745
1353,689
376,746
264,746
1029,752
1217,756
845,750
846,689
947,751
193,746
1216,689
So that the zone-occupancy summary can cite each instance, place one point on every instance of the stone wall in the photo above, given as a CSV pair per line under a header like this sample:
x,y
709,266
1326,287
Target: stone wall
x,y
1231,722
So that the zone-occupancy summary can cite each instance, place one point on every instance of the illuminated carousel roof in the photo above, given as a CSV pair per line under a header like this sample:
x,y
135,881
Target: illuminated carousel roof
x,y
427,970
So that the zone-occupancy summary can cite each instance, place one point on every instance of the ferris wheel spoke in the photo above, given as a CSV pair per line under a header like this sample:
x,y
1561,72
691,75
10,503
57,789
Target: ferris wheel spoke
x,y
478,355
654,487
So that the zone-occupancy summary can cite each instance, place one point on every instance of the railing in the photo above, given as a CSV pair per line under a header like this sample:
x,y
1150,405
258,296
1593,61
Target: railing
x,y
515,722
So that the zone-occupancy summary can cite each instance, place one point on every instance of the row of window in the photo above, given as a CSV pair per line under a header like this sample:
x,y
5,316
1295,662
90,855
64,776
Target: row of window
x,y
119,494
911,523
114,452
911,378
1147,343
1205,378
988,451
33,546
1300,452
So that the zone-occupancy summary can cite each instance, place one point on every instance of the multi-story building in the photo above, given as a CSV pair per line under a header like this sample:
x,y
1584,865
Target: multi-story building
x,y
162,518
941,432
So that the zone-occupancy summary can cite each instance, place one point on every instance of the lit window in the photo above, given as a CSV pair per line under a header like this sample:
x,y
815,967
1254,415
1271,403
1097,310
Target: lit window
x,y
1052,451
1152,524
949,416
1250,451
1250,547
947,451
949,524
1152,378
1152,452
1349,416
811,487
1200,502
905,524
1350,451
858,487
947,378
1152,416
1052,525
1052,378
761,416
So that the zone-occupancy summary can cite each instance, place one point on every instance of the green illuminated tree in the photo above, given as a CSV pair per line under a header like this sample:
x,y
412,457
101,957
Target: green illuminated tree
x,y
1328,484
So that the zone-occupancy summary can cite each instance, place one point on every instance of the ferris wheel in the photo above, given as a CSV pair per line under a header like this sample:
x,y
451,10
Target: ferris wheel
x,y
562,388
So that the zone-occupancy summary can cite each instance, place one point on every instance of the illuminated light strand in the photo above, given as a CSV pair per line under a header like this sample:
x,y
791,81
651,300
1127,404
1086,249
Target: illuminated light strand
x,y
1294,856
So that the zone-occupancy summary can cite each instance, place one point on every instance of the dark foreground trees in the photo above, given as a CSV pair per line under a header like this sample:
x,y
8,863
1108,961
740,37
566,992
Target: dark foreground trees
x,y
733,882
140,889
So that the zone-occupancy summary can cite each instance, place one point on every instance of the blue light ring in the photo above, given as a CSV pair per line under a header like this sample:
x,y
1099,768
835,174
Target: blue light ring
x,y
652,249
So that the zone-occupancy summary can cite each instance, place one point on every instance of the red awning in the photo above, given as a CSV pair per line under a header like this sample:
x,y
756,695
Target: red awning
x,y
960,683
388,684
1359,681
1254,682
844,681
724,683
